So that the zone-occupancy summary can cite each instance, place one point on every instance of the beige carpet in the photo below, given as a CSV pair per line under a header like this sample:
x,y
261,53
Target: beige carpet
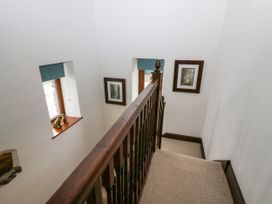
x,y
181,179
181,147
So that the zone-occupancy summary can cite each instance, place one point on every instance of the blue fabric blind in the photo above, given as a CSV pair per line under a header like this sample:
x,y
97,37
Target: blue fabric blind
x,y
148,64
52,71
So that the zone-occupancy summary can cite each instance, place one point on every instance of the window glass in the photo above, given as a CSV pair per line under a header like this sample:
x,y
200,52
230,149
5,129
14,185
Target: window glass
x,y
148,79
51,97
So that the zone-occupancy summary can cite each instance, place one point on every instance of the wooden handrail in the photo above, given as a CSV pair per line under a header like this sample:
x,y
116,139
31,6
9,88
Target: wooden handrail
x,y
133,133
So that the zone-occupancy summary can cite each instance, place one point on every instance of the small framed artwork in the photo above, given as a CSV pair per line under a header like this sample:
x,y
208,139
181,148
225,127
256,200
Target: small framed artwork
x,y
187,76
115,91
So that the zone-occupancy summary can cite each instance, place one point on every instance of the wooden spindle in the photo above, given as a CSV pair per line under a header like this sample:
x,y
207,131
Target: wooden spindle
x,y
145,140
137,133
143,146
119,168
108,182
114,190
149,153
140,151
131,164
96,195
126,169
161,121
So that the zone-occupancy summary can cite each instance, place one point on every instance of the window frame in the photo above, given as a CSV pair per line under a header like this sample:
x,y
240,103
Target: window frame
x,y
141,81
59,97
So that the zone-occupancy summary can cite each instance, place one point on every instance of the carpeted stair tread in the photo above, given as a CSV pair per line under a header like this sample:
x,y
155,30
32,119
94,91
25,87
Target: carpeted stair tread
x,y
176,179
184,156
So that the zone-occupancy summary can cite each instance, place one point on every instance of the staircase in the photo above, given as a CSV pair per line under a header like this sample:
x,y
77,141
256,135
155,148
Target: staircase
x,y
128,167
177,178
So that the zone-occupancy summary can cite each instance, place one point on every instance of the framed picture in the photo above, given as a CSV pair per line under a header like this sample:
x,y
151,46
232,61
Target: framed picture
x,y
115,91
187,76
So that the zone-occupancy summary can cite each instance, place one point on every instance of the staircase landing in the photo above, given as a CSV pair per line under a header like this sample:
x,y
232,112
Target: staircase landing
x,y
177,179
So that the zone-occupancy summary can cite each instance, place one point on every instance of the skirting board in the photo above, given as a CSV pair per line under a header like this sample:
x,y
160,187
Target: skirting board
x,y
187,139
236,192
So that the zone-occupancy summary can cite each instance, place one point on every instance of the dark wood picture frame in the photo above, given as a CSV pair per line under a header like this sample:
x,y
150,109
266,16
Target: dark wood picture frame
x,y
121,91
196,89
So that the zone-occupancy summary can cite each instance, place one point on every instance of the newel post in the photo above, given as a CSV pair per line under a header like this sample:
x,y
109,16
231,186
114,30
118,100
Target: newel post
x,y
157,75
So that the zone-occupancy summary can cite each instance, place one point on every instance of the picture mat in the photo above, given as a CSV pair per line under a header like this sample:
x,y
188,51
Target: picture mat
x,y
180,67
109,91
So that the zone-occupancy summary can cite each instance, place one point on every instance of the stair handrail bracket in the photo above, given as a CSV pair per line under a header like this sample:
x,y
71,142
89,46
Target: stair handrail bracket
x,y
121,159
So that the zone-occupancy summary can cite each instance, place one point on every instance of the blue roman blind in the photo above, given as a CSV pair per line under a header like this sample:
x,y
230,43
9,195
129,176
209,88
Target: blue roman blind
x,y
148,64
52,71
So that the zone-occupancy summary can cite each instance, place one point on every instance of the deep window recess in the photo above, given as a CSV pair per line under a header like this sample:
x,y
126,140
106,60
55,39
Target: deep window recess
x,y
52,78
145,68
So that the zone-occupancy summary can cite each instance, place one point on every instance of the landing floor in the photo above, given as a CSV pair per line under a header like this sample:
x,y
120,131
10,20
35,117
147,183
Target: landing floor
x,y
180,179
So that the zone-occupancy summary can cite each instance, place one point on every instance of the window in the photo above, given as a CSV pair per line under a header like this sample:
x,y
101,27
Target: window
x,y
145,68
60,93
148,78
145,77
54,98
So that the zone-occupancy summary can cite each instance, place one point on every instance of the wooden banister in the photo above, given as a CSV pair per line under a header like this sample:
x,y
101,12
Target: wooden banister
x,y
122,157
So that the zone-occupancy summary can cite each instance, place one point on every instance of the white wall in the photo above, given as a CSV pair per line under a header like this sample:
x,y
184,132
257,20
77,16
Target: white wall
x,y
35,33
135,81
238,123
173,29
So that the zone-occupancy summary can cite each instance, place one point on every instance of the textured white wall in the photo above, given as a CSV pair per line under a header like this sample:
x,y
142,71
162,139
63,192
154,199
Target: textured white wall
x,y
173,29
34,33
239,117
